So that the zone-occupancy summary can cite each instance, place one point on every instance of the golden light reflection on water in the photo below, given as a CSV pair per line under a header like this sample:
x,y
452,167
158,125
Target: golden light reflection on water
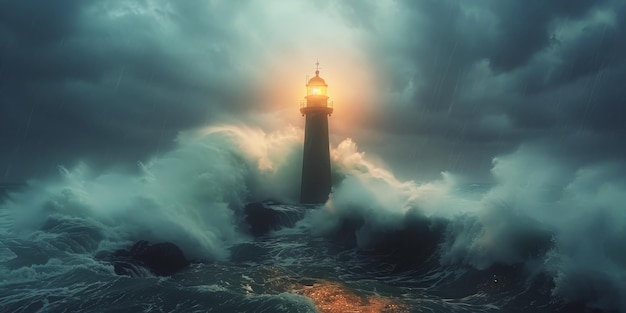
x,y
327,296
331,297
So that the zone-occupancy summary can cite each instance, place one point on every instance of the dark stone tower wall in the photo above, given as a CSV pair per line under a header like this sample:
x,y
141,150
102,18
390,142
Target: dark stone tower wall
x,y
316,181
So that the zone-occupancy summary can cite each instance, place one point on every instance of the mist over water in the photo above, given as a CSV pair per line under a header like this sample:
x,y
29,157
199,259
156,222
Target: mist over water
x,y
555,219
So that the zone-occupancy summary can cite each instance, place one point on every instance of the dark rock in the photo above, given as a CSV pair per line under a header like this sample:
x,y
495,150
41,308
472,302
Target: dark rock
x,y
162,259
263,218
411,245
407,246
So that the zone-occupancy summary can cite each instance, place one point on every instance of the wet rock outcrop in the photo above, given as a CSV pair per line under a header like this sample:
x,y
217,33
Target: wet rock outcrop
x,y
262,218
161,259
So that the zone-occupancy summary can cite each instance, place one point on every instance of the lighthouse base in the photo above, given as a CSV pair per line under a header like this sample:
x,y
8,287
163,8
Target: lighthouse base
x,y
316,180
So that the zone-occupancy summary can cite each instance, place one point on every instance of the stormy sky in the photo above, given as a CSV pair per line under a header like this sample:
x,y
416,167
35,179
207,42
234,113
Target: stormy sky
x,y
423,86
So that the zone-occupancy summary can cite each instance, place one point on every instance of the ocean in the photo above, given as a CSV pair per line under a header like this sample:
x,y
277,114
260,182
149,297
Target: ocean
x,y
378,245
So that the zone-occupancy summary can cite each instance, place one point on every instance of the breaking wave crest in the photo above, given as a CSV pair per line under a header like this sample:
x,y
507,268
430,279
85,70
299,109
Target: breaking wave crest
x,y
189,195
555,220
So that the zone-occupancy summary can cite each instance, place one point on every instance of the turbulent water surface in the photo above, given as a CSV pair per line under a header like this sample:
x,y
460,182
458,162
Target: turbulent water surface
x,y
378,244
289,270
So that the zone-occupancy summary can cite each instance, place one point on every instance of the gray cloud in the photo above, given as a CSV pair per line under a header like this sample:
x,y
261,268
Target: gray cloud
x,y
479,79
106,83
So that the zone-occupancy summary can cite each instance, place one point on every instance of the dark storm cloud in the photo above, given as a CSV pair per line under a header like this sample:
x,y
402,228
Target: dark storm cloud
x,y
108,82
37,23
524,28
478,79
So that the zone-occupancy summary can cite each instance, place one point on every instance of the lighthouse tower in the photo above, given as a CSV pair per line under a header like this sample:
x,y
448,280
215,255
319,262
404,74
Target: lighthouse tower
x,y
317,108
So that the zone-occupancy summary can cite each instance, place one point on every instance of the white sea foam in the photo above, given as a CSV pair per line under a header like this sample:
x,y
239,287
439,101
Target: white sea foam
x,y
567,217
189,196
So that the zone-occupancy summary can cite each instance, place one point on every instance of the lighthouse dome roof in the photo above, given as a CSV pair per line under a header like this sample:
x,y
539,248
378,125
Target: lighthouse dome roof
x,y
317,80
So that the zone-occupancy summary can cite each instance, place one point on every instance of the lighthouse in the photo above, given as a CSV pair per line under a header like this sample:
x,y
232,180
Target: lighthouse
x,y
316,107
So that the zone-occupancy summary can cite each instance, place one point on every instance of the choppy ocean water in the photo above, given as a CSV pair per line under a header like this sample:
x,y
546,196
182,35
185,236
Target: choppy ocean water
x,y
378,245
55,269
